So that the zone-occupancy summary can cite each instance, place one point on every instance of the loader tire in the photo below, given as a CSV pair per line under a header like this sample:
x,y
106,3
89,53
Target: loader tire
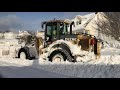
x,y
26,53
57,55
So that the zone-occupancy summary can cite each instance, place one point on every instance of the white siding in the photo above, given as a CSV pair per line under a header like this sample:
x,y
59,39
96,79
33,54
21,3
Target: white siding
x,y
92,26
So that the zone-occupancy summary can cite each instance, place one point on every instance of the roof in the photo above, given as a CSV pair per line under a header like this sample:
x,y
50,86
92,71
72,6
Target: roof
x,y
87,19
65,21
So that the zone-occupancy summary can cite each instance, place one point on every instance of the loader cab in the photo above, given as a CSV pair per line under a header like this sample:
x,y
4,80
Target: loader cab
x,y
54,30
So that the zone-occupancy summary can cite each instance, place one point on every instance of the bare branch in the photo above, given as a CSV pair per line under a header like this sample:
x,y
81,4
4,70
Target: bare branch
x,y
109,24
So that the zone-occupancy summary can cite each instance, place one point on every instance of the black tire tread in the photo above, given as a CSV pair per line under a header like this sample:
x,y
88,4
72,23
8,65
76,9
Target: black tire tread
x,y
56,52
23,50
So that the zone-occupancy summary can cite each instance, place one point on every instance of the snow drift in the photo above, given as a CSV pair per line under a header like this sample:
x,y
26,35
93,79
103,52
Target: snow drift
x,y
87,67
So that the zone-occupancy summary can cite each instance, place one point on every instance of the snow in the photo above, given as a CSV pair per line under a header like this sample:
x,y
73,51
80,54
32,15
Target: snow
x,y
111,42
9,45
40,34
23,33
76,50
87,18
1,35
8,70
9,41
9,35
86,67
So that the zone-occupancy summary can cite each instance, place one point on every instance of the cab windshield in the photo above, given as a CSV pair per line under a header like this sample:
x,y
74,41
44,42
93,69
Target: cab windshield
x,y
51,30
63,29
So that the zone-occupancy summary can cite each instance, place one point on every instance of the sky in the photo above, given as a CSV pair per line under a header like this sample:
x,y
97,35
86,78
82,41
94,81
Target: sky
x,y
15,21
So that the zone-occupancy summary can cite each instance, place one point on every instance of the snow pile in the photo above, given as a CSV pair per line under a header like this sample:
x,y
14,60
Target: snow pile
x,y
23,33
9,35
108,56
86,67
110,41
16,61
1,35
40,34
8,42
8,47
75,49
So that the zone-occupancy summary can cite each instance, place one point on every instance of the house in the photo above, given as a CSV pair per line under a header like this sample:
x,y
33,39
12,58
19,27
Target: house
x,y
92,26
87,23
77,23
80,22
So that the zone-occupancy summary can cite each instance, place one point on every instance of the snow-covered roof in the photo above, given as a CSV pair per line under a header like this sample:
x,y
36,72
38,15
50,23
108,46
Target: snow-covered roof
x,y
68,20
84,21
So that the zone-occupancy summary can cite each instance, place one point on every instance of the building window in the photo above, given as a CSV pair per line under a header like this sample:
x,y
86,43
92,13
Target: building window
x,y
74,25
79,22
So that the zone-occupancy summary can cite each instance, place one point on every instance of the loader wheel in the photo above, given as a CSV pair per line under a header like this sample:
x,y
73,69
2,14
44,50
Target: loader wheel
x,y
57,56
23,54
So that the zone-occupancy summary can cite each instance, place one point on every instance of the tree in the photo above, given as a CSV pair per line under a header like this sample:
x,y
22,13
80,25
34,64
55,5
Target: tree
x,y
109,23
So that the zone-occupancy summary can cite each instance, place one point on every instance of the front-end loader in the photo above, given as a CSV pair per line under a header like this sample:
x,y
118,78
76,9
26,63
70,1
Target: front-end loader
x,y
61,44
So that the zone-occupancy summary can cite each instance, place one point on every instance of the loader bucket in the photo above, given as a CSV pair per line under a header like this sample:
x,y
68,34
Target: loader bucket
x,y
84,42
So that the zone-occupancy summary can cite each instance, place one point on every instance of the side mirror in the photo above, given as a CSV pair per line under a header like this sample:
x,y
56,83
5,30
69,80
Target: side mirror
x,y
42,25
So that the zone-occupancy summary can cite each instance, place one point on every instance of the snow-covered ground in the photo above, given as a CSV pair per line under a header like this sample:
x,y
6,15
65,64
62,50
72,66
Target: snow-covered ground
x,y
8,70
108,66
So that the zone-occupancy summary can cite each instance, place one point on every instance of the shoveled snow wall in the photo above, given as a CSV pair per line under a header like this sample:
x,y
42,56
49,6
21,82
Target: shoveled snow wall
x,y
85,71
74,70
106,67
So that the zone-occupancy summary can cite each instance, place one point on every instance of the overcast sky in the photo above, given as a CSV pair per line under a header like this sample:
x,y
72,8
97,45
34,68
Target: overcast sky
x,y
31,20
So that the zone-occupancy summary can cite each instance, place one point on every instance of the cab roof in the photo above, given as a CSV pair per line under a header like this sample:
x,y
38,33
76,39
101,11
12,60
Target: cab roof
x,y
59,21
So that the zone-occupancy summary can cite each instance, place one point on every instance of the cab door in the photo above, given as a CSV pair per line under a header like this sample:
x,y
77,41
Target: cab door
x,y
54,33
51,32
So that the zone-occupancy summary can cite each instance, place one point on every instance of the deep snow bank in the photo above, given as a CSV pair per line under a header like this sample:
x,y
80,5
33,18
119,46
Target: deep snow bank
x,y
107,66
